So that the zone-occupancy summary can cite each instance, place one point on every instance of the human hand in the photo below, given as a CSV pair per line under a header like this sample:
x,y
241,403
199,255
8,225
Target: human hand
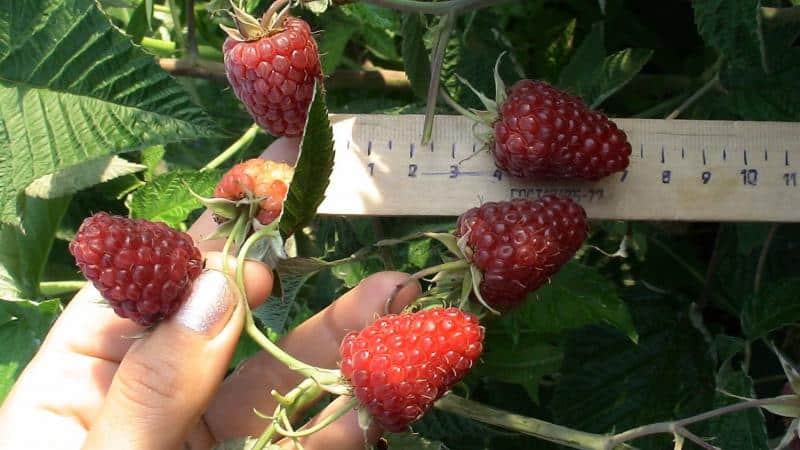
x,y
95,385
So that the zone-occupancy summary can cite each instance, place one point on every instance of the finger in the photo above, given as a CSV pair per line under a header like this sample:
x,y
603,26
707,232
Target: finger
x,y
168,378
343,434
257,276
316,341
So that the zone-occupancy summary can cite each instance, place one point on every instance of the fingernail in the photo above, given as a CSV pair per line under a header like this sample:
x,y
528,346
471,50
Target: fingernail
x,y
209,304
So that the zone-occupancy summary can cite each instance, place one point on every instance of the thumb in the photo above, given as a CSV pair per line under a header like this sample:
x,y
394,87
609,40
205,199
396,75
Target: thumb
x,y
167,379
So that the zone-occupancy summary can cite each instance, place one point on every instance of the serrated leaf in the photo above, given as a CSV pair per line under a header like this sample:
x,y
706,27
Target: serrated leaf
x,y
730,26
743,430
313,170
774,306
416,61
274,314
74,88
412,441
152,158
524,362
167,198
588,56
577,296
754,95
608,383
22,335
24,251
301,266
333,41
614,72
81,176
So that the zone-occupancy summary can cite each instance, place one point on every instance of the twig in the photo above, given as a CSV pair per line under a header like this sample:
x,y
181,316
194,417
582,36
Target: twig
x,y
191,38
713,262
437,60
714,81
198,68
762,257
695,438
234,148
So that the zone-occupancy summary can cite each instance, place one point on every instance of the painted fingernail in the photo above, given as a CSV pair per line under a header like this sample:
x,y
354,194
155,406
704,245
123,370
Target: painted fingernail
x,y
209,303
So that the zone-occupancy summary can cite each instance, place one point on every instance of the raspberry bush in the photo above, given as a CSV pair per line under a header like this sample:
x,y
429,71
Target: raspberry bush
x,y
538,327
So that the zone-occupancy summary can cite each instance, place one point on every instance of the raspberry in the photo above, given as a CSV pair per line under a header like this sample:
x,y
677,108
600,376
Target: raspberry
x,y
518,245
402,363
140,267
260,179
544,133
274,75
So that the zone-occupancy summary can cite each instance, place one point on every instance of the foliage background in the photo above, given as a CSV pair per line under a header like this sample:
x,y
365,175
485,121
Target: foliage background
x,y
88,114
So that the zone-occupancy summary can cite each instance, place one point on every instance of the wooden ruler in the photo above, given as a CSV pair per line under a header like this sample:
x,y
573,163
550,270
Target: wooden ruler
x,y
679,170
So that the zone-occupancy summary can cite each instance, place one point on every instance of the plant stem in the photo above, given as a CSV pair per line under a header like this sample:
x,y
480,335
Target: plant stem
x,y
436,8
681,431
672,426
525,425
453,266
456,107
762,257
714,81
168,48
344,409
55,288
298,399
234,148
191,38
176,23
437,61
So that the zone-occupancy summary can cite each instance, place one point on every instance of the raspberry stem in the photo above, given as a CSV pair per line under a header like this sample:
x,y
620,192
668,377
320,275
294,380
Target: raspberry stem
x,y
294,401
55,288
344,409
233,149
452,266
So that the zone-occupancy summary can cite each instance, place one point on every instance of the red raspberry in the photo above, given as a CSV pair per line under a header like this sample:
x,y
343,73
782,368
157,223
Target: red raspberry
x,y
518,245
257,178
402,363
274,75
142,268
544,133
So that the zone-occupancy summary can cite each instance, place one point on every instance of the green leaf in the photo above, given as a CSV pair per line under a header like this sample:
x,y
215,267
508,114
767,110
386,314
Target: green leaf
x,y
586,59
614,72
416,61
152,158
274,314
313,170
21,334
167,198
772,308
81,176
577,296
453,429
74,88
742,430
412,441
754,95
732,27
333,42
524,362
24,251
609,383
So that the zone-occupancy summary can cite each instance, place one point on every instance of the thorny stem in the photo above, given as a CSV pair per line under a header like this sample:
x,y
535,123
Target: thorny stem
x,y
344,409
234,148
582,440
452,266
437,61
762,257
295,401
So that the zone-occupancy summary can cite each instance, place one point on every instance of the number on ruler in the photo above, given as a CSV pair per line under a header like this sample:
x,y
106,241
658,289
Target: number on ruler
x,y
371,168
498,174
706,176
412,170
790,178
454,171
749,177
666,176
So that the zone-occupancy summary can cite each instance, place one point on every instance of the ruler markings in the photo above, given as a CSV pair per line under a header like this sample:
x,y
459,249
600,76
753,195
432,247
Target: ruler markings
x,y
373,180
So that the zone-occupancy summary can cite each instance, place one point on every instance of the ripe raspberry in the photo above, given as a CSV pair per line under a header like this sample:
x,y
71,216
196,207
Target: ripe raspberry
x,y
402,363
140,267
257,178
274,75
542,132
518,245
